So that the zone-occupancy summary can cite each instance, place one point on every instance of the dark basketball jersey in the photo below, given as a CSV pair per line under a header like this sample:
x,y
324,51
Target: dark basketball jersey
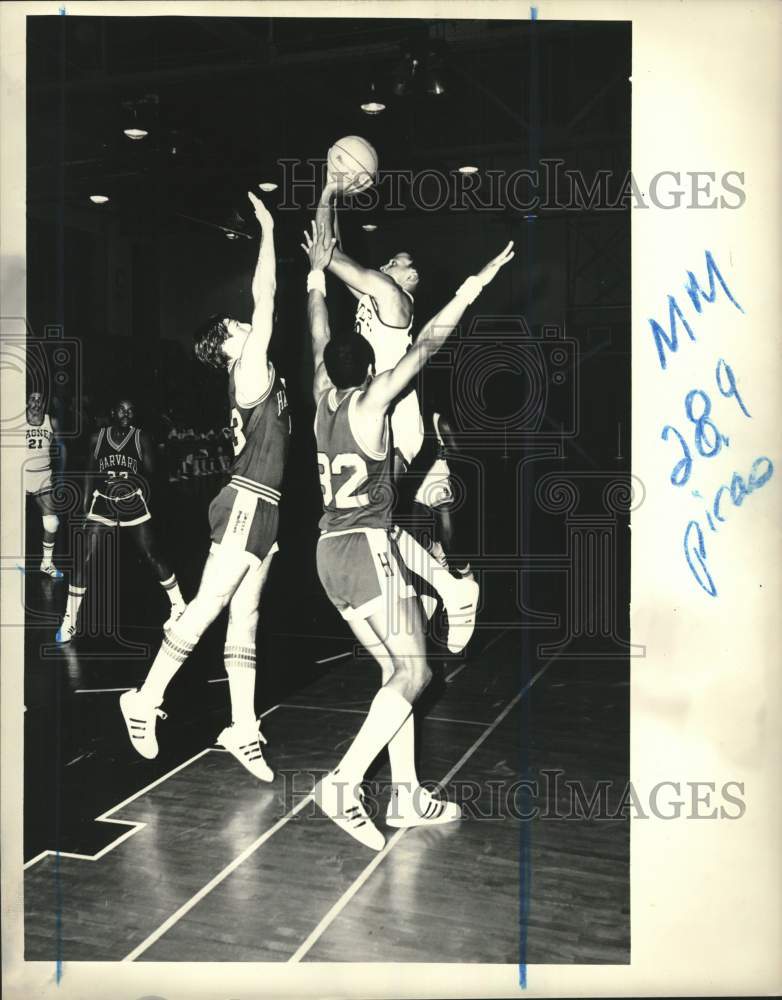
x,y
120,468
355,481
261,434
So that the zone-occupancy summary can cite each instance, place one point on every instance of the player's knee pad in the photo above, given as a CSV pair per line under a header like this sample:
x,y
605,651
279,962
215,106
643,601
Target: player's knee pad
x,y
51,523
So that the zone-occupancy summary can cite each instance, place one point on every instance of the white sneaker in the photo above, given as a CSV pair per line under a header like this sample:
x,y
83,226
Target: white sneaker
x,y
177,610
419,808
244,742
461,601
51,570
140,718
344,804
66,631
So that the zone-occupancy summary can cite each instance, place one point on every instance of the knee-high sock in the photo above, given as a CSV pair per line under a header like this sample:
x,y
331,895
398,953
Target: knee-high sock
x,y
173,652
75,597
171,588
386,715
423,563
48,553
240,667
401,753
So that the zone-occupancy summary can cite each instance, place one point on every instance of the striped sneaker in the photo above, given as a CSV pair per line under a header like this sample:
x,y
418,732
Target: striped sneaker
x,y
49,569
66,631
343,803
244,742
141,718
419,808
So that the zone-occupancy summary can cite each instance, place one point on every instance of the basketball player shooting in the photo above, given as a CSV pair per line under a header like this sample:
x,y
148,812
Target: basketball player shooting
x,y
384,317
357,554
41,439
243,519
116,495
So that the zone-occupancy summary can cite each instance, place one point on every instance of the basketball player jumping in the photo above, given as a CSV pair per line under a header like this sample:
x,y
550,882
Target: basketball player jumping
x,y
116,495
41,438
357,554
243,519
384,317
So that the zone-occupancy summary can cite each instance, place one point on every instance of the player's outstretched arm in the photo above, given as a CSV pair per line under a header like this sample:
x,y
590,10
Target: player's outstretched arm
x,y
359,279
318,247
384,389
252,370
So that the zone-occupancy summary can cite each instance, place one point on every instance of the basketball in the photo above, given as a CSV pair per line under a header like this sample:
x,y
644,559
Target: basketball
x,y
353,160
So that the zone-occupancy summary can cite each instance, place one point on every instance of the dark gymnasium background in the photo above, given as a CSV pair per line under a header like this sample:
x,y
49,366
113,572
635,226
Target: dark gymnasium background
x,y
537,381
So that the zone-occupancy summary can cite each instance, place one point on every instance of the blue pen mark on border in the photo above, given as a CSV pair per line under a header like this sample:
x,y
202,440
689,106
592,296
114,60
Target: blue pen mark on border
x,y
58,917
524,849
63,12
533,13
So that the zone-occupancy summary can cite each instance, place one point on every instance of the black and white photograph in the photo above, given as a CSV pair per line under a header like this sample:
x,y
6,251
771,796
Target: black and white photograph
x,y
324,473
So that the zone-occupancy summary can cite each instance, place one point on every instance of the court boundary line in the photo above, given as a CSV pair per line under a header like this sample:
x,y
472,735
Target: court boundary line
x,y
363,711
133,825
346,897
204,891
101,690
220,877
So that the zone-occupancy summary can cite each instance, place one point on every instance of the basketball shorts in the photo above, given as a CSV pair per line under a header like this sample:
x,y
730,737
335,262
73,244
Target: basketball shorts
x,y
241,520
406,426
119,510
436,490
38,481
362,571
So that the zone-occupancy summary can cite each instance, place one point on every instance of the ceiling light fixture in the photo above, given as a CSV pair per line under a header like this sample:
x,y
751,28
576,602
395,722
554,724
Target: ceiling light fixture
x,y
369,227
372,106
268,186
99,199
468,169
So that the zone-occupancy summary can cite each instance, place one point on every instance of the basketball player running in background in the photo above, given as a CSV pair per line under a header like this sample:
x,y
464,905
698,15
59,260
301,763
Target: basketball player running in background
x,y
116,495
41,439
243,519
384,317
357,554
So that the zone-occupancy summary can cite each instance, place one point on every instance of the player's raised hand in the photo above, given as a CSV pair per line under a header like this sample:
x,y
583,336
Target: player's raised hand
x,y
488,273
262,213
318,247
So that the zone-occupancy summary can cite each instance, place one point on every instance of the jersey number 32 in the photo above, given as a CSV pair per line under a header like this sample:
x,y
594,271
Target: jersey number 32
x,y
344,497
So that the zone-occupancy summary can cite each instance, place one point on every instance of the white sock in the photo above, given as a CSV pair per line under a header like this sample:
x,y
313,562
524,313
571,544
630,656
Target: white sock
x,y
48,553
173,652
401,753
75,597
240,667
423,563
387,713
171,587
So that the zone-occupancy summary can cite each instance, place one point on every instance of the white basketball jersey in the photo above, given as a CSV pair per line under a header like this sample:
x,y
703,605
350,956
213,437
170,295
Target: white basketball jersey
x,y
39,439
388,342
